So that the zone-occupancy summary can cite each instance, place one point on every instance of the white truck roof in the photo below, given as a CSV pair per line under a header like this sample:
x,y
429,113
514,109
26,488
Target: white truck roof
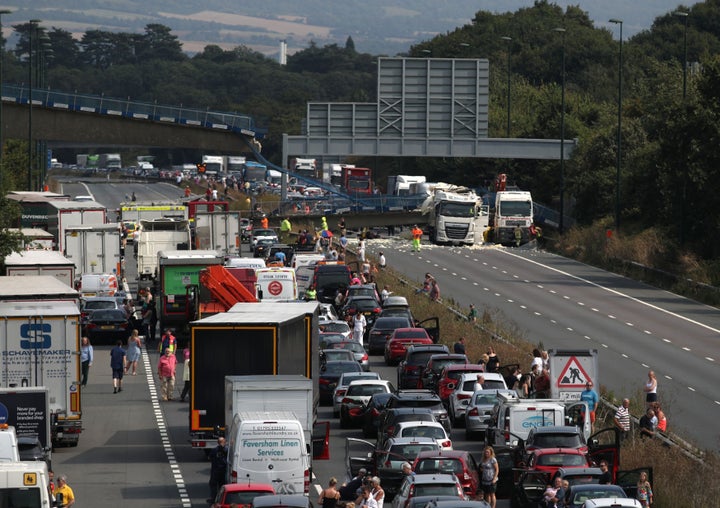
x,y
261,312
37,257
34,287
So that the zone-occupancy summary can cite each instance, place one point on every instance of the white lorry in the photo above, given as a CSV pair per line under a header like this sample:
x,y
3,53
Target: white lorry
x,y
41,262
40,346
159,235
35,238
276,283
218,231
27,410
305,167
214,164
513,209
64,214
110,161
453,215
94,249
403,185
277,453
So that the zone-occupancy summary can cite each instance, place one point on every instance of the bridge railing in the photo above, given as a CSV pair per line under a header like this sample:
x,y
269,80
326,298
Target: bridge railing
x,y
73,101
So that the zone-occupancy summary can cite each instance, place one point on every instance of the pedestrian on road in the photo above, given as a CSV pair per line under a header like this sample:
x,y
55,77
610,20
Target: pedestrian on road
x,y
168,341
64,495
650,389
416,237
166,373
86,359
361,250
359,324
117,364
133,352
218,468
329,496
490,474
185,374
591,397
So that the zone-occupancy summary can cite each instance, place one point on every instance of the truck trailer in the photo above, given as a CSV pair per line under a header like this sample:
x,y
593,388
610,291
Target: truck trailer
x,y
27,409
94,249
64,214
158,235
218,231
40,347
41,262
252,339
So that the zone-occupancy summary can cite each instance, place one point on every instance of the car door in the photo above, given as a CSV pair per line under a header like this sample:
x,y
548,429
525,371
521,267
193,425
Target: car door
x,y
575,415
359,454
529,489
605,445
432,327
628,479
321,441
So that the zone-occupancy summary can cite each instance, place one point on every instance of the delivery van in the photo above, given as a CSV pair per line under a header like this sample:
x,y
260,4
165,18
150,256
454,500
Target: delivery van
x,y
276,283
98,284
305,259
241,262
25,484
269,447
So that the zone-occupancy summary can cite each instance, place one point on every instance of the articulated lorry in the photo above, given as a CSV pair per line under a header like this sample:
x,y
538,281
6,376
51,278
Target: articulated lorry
x,y
453,215
158,235
65,214
94,249
40,262
110,161
251,339
511,209
40,347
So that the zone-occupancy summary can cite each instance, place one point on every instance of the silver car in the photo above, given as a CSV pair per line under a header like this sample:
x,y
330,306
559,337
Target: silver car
x,y
479,410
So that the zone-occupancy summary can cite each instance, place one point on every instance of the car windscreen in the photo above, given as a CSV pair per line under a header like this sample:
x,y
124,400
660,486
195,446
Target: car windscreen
x,y
410,451
436,489
335,327
244,497
390,324
420,358
340,367
412,334
108,315
561,459
423,431
100,304
557,441
365,390
443,466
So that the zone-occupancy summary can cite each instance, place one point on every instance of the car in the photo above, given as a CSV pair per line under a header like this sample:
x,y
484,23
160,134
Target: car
x,y
363,290
367,305
435,365
342,384
262,246
357,396
450,375
427,485
389,458
241,494
382,329
93,303
461,463
288,250
105,326
416,358
327,311
372,413
423,429
31,449
325,339
358,351
422,399
260,234
612,502
555,436
330,373
329,279
578,495
466,385
479,411
424,501
83,197
283,501
552,459
398,342
445,503
391,417
328,355
335,326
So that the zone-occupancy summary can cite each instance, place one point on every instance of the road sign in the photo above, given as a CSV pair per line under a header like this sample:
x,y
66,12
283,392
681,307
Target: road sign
x,y
570,369
573,375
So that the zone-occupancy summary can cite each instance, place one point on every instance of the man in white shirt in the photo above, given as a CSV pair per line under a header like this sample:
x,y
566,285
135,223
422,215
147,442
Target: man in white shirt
x,y
366,498
359,324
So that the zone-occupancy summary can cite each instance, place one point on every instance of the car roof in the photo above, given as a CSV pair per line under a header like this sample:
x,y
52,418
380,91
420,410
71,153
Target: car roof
x,y
465,366
579,487
410,410
369,382
459,503
395,301
411,329
553,451
578,471
447,356
417,395
489,376
390,320
410,440
612,502
426,347
368,375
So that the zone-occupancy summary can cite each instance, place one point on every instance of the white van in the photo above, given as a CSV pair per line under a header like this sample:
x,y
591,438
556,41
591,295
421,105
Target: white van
x,y
98,284
514,417
276,283
239,262
305,259
24,484
9,451
304,276
269,447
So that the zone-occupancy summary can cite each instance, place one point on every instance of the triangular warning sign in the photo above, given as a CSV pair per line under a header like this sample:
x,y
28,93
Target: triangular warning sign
x,y
573,375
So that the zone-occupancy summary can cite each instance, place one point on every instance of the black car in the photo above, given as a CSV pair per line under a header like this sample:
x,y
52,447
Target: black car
x,y
367,305
416,359
372,412
262,247
390,417
31,449
382,329
329,280
435,365
105,326
330,373
422,399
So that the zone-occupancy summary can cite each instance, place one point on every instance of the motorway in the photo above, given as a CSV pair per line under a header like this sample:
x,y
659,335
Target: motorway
x,y
138,449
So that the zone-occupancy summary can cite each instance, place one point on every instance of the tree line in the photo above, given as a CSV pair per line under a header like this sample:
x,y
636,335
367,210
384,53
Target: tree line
x,y
670,125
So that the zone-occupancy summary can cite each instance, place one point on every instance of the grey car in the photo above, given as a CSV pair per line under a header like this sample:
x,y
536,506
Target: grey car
x,y
479,411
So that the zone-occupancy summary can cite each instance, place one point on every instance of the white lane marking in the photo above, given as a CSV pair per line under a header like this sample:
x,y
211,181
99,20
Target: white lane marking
x,y
710,359
162,428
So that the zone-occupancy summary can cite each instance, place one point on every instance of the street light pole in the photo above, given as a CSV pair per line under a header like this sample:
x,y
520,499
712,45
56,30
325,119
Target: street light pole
x,y
509,41
33,29
2,57
619,128
561,222
683,198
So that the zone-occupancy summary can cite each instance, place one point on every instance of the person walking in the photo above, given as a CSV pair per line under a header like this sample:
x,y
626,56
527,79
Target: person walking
x,y
644,490
490,473
166,373
168,341
218,468
117,364
133,352
650,389
64,495
185,374
359,325
329,496
416,237
86,359
518,235
622,419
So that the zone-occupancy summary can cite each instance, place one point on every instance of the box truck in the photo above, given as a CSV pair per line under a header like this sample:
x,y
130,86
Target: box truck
x,y
94,249
218,231
41,262
63,214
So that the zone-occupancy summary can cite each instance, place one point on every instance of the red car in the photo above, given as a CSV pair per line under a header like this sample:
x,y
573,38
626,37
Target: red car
x,y
458,462
241,494
400,339
552,459
451,374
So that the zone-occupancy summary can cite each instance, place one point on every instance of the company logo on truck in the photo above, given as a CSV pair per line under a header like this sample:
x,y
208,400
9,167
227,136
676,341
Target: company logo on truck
x,y
35,336
536,421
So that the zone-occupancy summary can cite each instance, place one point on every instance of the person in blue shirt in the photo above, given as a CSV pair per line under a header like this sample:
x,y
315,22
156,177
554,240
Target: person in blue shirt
x,y
591,397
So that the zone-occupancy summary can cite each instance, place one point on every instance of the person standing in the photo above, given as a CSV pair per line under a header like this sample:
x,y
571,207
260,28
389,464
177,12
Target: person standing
x,y
541,387
493,361
330,496
218,468
605,477
86,359
518,235
361,250
650,388
472,315
366,498
434,291
459,346
185,374
359,325
377,491
382,263
166,373
152,325
133,352
622,419
117,364
591,397
385,293
647,424
64,495
416,237
285,228
661,418
490,473
168,341
644,490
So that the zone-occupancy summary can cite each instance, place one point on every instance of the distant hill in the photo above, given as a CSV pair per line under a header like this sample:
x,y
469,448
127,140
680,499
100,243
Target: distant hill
x,y
384,27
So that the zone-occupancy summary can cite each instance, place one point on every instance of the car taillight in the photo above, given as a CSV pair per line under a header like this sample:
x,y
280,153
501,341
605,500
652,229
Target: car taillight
x,y
466,477
324,381
474,412
460,491
91,325
377,310
446,444
365,357
356,411
347,400
462,396
306,482
340,392
233,475
374,412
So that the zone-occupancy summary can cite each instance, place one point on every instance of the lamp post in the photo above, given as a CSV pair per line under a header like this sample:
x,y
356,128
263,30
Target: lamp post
x,y
31,33
561,222
619,128
2,57
509,41
684,15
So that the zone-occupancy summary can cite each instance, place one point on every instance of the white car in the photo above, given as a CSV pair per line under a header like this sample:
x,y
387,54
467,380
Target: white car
x,y
327,311
463,389
420,429
612,502
345,379
336,326
357,396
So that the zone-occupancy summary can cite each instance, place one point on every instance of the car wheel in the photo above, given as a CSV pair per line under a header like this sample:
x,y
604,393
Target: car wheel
x,y
336,413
